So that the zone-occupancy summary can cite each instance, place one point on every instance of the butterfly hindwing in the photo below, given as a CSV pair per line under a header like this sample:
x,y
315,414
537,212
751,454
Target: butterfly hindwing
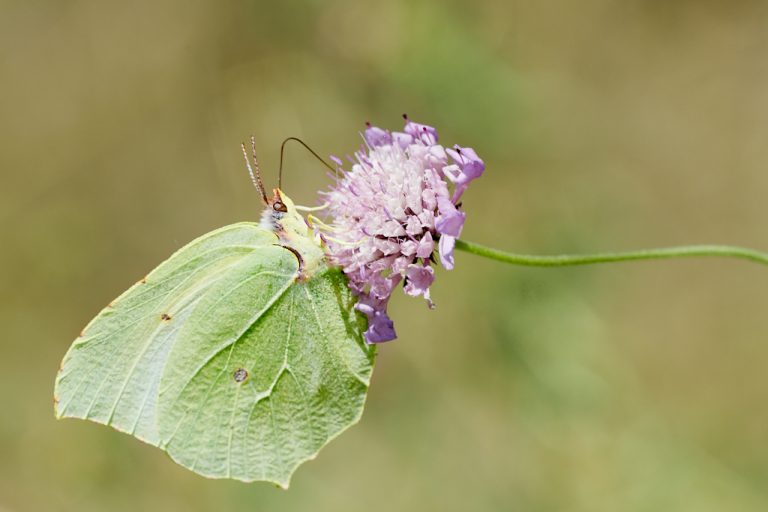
x,y
256,399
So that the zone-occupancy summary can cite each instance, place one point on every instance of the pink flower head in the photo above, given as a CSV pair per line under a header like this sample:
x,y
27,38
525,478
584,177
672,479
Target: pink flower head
x,y
390,211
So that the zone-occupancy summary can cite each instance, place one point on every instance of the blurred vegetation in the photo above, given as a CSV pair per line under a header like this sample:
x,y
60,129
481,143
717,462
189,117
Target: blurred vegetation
x,y
605,124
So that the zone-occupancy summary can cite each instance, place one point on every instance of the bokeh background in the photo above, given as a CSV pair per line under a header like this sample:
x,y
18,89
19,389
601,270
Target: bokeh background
x,y
605,124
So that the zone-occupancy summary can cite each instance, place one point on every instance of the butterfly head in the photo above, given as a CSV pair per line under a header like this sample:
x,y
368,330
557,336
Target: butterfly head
x,y
282,217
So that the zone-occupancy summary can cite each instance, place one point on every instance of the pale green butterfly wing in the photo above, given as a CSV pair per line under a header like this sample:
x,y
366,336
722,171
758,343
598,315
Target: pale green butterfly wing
x,y
228,356
254,398
111,374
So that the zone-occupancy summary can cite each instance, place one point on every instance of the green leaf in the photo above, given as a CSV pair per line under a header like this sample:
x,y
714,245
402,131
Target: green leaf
x,y
226,356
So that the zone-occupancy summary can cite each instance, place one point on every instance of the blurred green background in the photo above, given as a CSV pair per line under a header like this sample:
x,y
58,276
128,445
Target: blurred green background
x,y
605,124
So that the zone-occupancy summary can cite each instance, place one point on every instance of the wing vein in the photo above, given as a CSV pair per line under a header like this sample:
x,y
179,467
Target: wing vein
x,y
231,343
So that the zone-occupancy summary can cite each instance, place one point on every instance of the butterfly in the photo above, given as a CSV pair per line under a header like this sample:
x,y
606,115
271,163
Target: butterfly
x,y
240,356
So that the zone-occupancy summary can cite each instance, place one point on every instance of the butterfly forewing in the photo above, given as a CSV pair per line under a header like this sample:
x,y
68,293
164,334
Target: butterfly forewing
x,y
111,373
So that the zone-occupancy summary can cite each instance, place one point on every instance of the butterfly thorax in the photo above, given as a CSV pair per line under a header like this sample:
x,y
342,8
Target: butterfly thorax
x,y
282,218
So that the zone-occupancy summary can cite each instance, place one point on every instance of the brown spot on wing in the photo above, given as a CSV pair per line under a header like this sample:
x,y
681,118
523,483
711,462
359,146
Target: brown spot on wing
x,y
165,316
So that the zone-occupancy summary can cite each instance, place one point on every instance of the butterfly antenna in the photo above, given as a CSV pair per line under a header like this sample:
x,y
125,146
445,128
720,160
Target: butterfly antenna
x,y
255,177
282,150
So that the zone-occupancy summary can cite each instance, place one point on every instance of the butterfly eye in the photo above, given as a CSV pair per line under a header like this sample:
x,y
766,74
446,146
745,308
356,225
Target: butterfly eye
x,y
279,206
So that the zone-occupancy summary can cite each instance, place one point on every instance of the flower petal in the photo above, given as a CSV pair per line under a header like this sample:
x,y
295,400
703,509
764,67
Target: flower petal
x,y
466,158
446,251
470,167
380,326
450,221
403,140
426,246
418,279
375,136
426,134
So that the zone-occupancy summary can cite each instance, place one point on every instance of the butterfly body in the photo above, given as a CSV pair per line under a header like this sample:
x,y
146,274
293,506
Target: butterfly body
x,y
282,217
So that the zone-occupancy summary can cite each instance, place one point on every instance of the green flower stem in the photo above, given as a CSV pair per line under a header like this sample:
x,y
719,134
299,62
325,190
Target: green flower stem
x,y
564,260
